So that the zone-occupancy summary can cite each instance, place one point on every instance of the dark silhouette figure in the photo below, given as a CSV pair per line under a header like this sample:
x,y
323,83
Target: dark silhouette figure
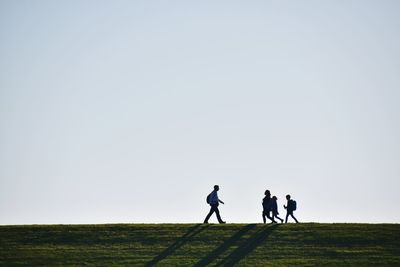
x,y
267,207
214,201
274,208
290,207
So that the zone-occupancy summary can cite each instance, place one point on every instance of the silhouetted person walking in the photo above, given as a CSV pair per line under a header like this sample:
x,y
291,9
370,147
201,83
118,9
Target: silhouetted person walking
x,y
274,208
290,207
214,201
267,206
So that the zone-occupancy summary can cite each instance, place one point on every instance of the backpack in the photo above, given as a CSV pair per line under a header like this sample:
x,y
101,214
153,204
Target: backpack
x,y
293,204
208,199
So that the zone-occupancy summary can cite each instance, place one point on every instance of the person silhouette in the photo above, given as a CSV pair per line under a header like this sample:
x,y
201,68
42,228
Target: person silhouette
x,y
214,201
274,208
290,207
266,203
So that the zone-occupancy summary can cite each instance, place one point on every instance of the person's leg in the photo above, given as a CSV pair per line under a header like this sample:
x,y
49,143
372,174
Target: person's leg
x,y
263,216
218,215
294,218
276,216
269,216
209,215
287,215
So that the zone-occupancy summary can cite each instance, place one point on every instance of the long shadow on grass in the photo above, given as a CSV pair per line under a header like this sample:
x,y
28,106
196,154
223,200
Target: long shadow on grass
x,y
224,246
178,243
248,246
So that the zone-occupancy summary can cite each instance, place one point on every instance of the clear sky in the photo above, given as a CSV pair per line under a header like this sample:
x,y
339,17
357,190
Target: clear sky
x,y
130,111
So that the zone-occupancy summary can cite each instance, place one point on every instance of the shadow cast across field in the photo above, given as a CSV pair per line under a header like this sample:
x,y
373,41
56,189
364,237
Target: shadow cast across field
x,y
242,250
246,248
178,243
224,246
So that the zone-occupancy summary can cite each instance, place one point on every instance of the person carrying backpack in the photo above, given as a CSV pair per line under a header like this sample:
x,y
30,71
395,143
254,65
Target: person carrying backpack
x,y
291,206
213,201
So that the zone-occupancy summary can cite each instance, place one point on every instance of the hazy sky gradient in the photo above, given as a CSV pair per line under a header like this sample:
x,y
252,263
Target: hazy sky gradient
x,y
130,111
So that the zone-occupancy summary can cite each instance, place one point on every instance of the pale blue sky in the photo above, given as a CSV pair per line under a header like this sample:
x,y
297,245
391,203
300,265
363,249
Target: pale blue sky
x,y
130,111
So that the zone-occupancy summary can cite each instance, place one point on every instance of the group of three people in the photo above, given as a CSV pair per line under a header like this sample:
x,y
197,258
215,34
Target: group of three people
x,y
269,204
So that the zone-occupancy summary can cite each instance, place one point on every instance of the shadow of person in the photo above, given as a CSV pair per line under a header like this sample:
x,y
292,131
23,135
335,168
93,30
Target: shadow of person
x,y
248,246
177,244
224,246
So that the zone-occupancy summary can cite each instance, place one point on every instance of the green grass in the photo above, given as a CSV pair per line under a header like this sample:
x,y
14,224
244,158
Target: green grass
x,y
200,245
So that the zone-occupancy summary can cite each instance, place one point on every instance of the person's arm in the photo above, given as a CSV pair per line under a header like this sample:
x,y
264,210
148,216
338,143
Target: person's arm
x,y
218,200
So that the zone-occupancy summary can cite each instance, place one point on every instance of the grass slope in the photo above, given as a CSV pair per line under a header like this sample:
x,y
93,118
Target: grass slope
x,y
201,245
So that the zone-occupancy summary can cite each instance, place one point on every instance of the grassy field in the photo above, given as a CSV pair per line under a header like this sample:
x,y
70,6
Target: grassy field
x,y
201,245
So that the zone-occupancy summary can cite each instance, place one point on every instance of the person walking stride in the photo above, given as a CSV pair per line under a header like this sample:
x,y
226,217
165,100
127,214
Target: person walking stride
x,y
290,207
274,208
267,207
214,201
